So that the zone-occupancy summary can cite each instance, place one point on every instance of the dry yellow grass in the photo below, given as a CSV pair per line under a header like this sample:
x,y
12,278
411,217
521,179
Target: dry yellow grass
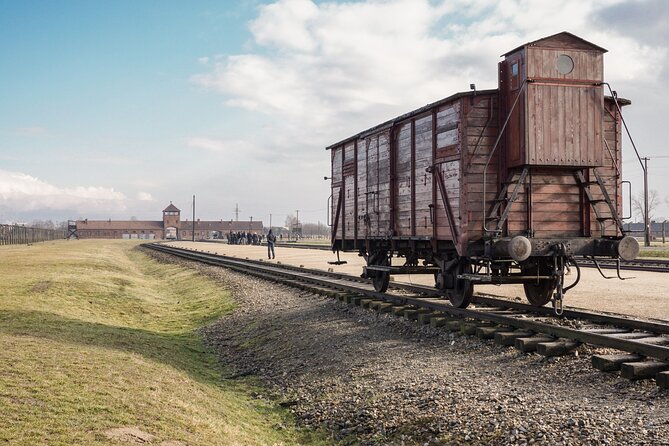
x,y
94,335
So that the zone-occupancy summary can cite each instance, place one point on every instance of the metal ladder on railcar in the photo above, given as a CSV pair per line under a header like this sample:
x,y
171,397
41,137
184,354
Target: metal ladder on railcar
x,y
606,198
507,201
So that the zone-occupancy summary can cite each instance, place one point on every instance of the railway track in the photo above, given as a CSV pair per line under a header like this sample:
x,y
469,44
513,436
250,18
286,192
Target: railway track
x,y
641,347
653,265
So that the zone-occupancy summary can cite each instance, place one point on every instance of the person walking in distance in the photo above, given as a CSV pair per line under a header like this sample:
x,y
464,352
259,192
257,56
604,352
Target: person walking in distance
x,y
271,240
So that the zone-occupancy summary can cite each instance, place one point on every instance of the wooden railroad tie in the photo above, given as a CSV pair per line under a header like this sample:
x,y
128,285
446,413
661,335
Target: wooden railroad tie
x,y
470,328
489,332
453,325
349,298
527,345
398,310
365,303
642,370
425,318
612,363
557,348
509,338
412,315
440,321
662,379
381,306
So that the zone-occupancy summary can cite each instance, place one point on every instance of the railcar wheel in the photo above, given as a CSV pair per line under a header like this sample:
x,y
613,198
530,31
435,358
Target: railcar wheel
x,y
540,292
381,282
461,295
439,281
381,279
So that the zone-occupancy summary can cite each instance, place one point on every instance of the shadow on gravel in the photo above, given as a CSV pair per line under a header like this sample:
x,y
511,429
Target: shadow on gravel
x,y
325,338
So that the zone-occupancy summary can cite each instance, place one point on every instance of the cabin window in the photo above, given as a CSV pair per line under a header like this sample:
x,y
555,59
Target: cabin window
x,y
564,64
515,75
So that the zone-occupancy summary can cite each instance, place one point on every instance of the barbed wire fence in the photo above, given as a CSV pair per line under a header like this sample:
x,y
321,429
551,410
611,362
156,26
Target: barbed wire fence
x,y
23,235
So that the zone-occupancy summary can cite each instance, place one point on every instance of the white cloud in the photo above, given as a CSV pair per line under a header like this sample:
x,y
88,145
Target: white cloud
x,y
203,60
221,146
286,24
232,149
315,73
20,192
331,69
144,196
209,144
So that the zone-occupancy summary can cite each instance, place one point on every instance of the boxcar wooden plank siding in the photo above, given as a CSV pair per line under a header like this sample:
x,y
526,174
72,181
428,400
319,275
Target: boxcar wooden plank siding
x,y
588,64
565,138
402,175
562,112
348,172
481,128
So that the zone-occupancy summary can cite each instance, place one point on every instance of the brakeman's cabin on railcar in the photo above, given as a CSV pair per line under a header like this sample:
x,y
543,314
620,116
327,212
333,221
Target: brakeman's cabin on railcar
x,y
494,186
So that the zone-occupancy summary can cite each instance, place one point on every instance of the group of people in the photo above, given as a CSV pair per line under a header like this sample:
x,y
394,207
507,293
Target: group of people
x,y
244,238
251,238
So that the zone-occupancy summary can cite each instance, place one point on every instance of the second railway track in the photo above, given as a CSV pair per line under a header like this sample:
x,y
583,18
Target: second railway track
x,y
641,346
652,265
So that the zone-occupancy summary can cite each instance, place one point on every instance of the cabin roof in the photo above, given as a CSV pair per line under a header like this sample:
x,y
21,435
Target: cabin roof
x,y
559,40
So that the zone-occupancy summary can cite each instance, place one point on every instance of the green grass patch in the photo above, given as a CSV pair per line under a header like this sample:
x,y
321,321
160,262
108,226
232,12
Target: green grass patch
x,y
96,335
655,250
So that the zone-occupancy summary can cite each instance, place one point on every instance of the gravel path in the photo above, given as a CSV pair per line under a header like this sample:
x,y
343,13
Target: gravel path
x,y
373,378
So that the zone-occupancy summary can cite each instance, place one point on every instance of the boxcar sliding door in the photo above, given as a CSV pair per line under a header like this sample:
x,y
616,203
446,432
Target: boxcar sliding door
x,y
402,176
377,185
348,185
422,190
337,195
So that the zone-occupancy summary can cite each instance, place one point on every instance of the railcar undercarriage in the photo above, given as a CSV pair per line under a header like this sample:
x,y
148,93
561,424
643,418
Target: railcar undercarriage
x,y
540,265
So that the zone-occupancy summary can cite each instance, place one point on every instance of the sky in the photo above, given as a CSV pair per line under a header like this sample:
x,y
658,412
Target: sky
x,y
114,109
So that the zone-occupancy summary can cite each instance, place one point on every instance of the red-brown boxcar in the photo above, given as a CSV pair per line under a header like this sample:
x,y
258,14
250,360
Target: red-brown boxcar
x,y
495,186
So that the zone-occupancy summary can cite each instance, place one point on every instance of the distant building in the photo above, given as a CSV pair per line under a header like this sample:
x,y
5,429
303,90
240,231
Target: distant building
x,y
171,227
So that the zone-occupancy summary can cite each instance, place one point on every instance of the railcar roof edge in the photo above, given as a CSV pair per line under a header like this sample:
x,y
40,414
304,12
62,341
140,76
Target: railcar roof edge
x,y
391,122
410,114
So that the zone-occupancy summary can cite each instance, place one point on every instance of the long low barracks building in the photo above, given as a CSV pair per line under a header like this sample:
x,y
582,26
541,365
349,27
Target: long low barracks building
x,y
171,227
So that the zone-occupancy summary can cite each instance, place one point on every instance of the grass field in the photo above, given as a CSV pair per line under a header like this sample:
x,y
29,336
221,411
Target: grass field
x,y
655,250
96,336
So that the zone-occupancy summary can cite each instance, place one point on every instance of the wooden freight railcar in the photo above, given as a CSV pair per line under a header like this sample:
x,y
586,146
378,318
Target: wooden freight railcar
x,y
495,186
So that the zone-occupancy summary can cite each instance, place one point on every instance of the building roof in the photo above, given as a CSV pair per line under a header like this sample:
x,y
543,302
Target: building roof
x,y
138,225
117,225
222,225
171,208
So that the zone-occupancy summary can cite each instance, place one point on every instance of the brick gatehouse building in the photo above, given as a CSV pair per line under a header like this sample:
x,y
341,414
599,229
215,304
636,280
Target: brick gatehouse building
x,y
170,227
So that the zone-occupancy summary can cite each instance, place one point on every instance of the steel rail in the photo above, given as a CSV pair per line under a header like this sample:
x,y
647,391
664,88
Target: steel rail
x,y
653,265
650,265
342,283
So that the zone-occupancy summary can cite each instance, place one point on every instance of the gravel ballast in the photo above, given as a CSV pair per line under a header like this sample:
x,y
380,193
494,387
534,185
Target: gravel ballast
x,y
373,378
